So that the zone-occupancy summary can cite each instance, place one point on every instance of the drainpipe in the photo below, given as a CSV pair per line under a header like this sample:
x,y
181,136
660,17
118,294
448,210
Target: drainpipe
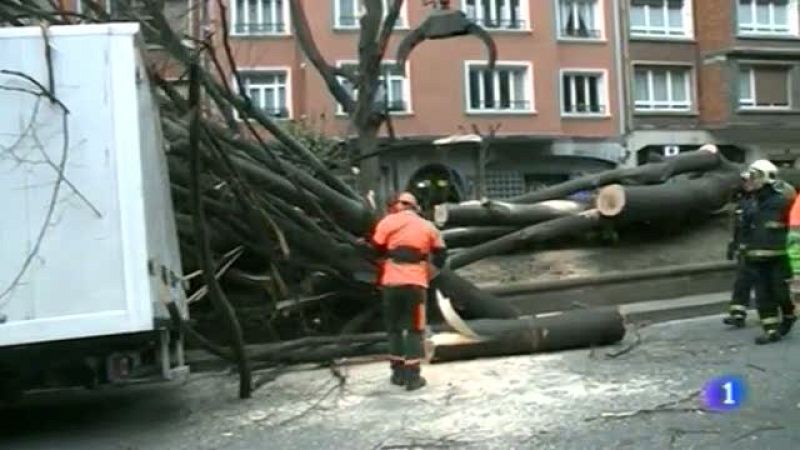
x,y
621,59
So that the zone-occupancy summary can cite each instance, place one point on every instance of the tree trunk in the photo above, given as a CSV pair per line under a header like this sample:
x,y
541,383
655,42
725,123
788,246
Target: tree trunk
x,y
470,301
567,330
672,201
468,236
494,213
699,160
561,227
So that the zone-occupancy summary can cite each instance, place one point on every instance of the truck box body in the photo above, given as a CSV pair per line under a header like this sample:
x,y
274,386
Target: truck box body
x,y
95,252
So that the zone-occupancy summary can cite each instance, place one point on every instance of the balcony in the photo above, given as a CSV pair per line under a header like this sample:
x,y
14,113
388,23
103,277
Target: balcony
x,y
264,28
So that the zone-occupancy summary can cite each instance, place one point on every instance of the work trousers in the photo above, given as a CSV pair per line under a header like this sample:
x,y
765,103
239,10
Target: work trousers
x,y
742,289
772,290
404,314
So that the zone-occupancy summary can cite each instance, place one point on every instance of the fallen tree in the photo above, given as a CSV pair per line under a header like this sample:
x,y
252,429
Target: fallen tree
x,y
495,213
469,236
542,232
674,201
706,158
563,331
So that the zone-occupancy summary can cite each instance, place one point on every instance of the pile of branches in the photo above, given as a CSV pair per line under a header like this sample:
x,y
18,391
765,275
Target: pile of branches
x,y
686,187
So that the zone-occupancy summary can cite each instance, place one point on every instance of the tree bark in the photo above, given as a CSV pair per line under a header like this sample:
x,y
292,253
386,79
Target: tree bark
x,y
673,201
468,236
700,160
567,330
552,229
494,213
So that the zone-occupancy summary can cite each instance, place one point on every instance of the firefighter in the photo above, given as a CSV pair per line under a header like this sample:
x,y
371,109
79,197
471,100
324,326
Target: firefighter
x,y
745,279
793,253
763,240
409,245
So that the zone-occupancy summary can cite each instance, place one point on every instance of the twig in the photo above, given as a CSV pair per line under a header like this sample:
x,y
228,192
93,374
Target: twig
x,y
753,366
669,407
755,431
56,189
630,347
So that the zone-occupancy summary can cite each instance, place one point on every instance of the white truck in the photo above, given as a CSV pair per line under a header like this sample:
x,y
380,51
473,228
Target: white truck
x,y
89,255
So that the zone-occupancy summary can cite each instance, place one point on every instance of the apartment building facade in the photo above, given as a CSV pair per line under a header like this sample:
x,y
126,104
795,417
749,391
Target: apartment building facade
x,y
556,93
722,71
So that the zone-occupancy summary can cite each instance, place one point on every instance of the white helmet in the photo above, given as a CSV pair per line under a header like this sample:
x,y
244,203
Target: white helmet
x,y
762,171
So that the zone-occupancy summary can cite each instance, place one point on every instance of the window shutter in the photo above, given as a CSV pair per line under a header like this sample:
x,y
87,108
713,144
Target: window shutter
x,y
772,86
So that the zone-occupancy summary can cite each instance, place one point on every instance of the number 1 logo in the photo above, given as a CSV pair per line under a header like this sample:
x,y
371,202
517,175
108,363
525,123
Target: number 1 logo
x,y
724,393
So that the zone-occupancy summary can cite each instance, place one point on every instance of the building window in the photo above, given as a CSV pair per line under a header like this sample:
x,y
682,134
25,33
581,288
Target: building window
x,y
579,19
582,93
259,17
347,14
661,18
497,14
506,89
767,17
662,89
268,90
764,87
393,94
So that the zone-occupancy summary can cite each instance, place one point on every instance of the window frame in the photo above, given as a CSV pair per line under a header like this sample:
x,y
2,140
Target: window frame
x,y
600,23
287,29
524,12
792,22
687,13
286,70
409,107
602,91
402,20
689,85
530,91
751,65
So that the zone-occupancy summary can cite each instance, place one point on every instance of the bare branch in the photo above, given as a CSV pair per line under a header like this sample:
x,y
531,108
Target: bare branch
x,y
309,46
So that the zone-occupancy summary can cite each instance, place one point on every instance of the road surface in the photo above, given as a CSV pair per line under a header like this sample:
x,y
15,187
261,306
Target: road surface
x,y
643,399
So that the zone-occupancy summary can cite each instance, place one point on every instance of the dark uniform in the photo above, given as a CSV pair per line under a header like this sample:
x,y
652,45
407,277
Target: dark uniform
x,y
745,275
763,242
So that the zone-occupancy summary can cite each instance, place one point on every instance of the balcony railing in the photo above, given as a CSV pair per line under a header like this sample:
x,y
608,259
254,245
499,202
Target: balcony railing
x,y
259,28
279,113
580,33
494,105
392,106
499,24
583,108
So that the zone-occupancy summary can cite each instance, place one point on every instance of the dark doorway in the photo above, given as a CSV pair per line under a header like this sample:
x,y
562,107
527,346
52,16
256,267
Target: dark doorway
x,y
434,184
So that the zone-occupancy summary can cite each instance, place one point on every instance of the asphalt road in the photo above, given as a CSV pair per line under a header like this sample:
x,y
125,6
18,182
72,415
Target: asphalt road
x,y
643,399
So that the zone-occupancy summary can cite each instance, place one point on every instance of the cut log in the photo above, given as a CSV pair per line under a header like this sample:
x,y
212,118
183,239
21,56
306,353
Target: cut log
x,y
564,226
469,236
567,330
494,213
470,301
706,158
674,201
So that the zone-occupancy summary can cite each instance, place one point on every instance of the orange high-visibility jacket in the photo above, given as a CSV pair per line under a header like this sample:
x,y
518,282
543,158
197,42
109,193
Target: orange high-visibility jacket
x,y
406,229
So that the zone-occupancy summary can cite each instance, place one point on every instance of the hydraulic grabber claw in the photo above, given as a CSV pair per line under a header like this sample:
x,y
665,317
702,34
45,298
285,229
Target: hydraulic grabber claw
x,y
444,23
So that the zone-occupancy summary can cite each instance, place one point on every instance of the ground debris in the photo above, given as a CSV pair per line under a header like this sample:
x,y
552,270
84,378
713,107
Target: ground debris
x,y
669,407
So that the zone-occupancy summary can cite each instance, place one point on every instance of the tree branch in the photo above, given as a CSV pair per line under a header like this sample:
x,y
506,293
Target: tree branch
x,y
309,46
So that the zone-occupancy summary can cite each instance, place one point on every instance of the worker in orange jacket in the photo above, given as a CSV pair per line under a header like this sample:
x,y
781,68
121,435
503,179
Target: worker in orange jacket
x,y
409,244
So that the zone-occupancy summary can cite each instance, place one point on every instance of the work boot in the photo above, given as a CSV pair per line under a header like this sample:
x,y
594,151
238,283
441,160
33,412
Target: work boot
x,y
768,337
398,376
735,321
786,324
414,380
